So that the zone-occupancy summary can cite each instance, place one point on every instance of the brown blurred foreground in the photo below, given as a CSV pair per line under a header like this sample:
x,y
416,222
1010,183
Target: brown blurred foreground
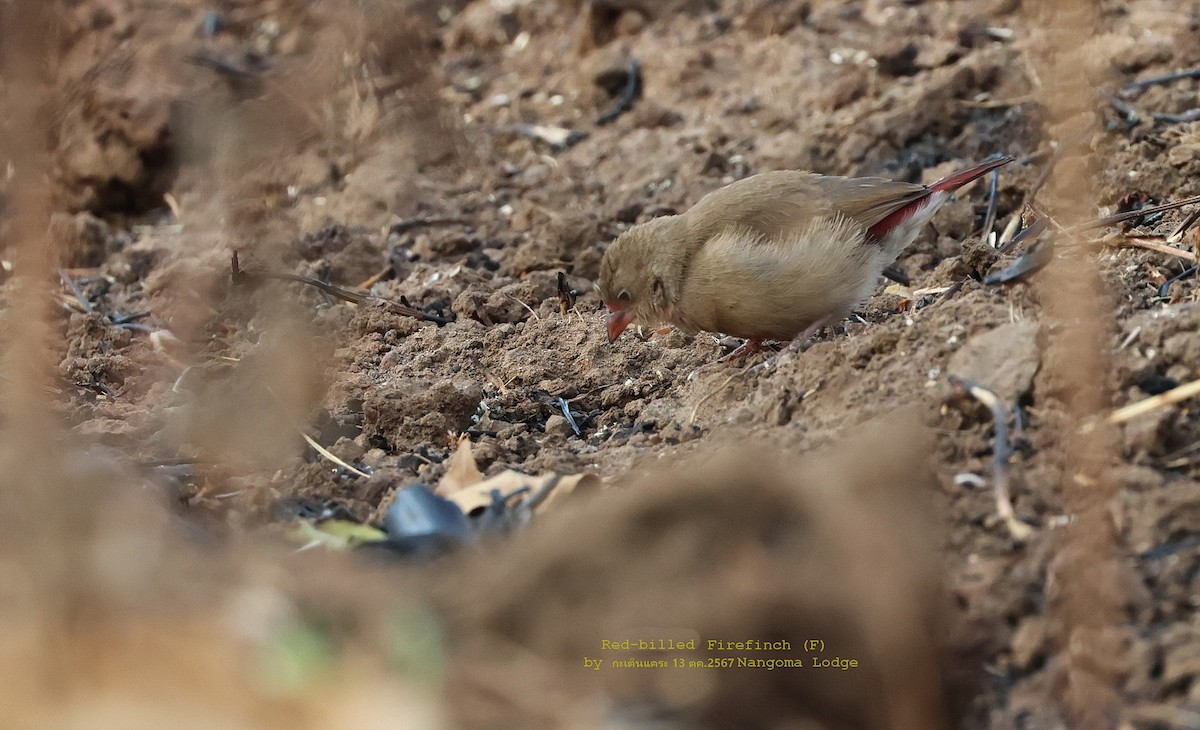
x,y
450,159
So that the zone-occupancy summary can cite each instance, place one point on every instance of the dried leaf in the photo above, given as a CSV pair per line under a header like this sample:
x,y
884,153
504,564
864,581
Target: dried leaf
x,y
569,485
461,471
479,495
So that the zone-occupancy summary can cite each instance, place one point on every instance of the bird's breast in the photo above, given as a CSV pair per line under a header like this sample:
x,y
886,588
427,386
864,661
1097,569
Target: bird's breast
x,y
745,285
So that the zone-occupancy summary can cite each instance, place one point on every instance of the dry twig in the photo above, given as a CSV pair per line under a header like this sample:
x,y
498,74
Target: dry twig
x,y
1190,73
375,278
405,226
989,219
629,94
718,389
332,457
998,103
1164,290
566,295
1032,231
76,291
1001,452
241,276
1129,215
1153,403
1150,245
1177,235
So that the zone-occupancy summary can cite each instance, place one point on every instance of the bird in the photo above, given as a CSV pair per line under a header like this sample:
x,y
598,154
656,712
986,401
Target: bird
x,y
774,256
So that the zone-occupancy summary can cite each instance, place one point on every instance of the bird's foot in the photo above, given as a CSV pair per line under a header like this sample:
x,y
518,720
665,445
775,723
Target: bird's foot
x,y
799,344
746,348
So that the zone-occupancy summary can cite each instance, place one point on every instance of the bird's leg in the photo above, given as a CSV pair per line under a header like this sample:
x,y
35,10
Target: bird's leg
x,y
746,348
799,344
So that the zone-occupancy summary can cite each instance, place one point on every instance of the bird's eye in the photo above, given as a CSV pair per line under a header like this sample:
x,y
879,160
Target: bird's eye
x,y
625,296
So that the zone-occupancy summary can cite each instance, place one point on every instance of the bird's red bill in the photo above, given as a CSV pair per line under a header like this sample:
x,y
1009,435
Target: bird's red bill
x,y
618,320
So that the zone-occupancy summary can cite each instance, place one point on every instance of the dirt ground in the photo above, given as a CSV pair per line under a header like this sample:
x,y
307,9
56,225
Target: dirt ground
x,y
452,156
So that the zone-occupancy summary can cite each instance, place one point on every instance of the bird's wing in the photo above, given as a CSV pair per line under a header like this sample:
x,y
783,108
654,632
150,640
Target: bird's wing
x,y
776,204
868,200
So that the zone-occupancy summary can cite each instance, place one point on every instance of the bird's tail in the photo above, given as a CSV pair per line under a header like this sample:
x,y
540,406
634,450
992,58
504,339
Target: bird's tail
x,y
897,229
950,183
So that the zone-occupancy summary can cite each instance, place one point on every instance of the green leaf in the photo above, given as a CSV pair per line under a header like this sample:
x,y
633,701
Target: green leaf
x,y
335,534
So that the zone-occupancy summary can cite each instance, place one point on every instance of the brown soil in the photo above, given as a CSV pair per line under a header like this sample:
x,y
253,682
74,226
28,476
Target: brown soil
x,y
381,146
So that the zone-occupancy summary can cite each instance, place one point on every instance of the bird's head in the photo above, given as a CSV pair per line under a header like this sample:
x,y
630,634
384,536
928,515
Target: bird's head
x,y
639,275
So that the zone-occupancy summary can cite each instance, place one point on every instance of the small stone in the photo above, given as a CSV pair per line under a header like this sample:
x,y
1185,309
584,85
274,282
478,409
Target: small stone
x,y
1028,642
373,458
1003,360
1137,478
1183,154
82,239
347,450
1150,434
899,60
978,257
556,425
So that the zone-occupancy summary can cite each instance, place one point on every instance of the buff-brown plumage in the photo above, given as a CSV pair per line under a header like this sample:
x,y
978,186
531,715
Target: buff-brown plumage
x,y
769,257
